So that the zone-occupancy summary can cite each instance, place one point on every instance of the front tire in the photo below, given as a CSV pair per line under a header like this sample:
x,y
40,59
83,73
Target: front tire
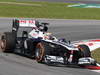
x,y
84,51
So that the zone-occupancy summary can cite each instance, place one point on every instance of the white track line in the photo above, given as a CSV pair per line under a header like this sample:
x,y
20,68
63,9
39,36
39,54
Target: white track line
x,y
98,71
15,3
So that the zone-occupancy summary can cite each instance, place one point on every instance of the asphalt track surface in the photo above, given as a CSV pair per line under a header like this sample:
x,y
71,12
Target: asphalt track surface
x,y
12,64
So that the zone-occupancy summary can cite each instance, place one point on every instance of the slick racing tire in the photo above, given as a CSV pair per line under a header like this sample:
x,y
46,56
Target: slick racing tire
x,y
39,53
84,51
8,42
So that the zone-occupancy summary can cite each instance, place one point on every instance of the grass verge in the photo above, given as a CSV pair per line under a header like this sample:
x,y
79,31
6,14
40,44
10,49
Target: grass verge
x,y
96,54
46,10
7,0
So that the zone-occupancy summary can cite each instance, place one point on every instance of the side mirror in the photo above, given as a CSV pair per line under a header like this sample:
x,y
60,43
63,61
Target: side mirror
x,y
69,42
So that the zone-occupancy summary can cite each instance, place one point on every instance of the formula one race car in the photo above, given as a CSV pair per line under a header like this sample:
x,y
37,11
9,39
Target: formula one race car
x,y
31,38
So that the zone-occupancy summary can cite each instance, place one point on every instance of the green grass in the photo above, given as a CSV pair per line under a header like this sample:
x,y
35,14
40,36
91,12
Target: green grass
x,y
96,54
47,10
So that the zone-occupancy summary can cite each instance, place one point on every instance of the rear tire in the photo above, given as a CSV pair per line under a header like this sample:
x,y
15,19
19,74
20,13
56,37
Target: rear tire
x,y
8,42
84,51
39,52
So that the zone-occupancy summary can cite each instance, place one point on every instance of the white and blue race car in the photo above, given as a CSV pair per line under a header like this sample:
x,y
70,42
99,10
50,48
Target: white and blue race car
x,y
31,38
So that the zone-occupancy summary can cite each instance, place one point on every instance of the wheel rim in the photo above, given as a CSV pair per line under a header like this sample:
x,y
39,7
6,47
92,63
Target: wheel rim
x,y
3,45
81,52
39,52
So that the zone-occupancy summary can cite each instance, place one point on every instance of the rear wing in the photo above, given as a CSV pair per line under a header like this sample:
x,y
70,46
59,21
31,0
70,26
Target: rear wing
x,y
24,23
20,25
27,23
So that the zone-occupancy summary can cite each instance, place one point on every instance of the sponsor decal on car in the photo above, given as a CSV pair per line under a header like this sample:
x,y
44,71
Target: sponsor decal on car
x,y
27,23
92,43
